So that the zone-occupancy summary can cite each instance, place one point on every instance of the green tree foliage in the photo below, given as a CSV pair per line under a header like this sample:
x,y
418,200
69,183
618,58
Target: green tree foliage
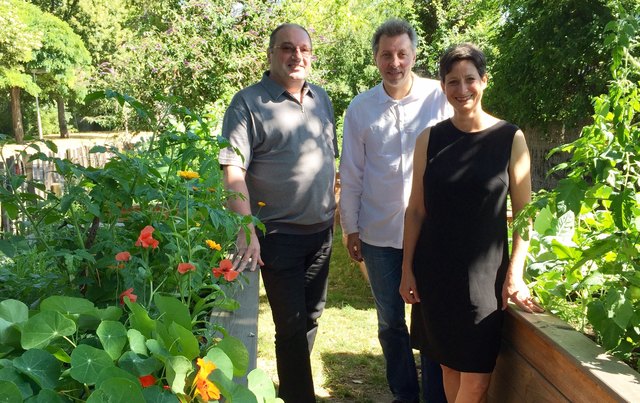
x,y
551,60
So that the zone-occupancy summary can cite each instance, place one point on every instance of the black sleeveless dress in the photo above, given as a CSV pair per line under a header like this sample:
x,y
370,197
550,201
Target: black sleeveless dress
x,y
462,255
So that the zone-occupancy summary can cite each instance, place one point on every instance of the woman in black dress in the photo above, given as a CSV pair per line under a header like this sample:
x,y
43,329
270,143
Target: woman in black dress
x,y
456,258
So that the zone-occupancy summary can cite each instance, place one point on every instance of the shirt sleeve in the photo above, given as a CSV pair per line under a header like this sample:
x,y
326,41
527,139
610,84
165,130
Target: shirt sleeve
x,y
237,129
351,173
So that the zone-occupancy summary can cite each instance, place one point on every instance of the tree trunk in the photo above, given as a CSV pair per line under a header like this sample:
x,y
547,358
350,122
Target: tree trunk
x,y
16,115
62,122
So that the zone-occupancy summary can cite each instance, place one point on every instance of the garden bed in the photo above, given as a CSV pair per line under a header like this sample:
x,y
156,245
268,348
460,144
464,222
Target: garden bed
x,y
544,359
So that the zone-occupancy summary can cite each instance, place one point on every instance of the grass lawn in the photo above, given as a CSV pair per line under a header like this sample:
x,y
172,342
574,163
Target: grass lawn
x,y
347,360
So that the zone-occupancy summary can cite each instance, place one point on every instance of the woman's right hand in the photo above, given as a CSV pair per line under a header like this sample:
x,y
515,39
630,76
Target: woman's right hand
x,y
408,289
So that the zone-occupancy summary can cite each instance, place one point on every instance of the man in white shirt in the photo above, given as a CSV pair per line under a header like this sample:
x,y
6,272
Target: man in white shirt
x,y
380,129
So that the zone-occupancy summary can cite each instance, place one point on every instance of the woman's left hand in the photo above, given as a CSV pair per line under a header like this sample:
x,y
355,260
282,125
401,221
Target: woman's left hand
x,y
517,291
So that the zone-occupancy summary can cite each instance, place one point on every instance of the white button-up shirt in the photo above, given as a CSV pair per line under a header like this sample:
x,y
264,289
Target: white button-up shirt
x,y
376,166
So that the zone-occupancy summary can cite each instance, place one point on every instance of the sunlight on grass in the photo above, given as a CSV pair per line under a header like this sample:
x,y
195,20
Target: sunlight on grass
x,y
347,360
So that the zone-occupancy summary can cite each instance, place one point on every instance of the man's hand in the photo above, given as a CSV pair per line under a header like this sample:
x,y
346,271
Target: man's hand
x,y
247,255
354,246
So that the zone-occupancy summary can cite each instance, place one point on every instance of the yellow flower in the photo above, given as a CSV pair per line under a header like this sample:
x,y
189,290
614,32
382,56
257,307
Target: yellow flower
x,y
262,204
188,174
204,387
213,244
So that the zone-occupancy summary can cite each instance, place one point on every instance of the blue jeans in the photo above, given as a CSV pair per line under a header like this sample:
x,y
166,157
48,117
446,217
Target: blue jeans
x,y
384,267
295,274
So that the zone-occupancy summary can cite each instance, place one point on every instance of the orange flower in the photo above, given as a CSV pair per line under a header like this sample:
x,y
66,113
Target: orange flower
x,y
146,238
213,244
188,175
226,270
261,204
128,293
204,387
123,256
147,380
185,267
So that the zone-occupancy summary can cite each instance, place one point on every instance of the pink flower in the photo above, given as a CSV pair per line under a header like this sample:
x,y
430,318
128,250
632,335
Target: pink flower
x,y
146,238
225,270
123,256
128,293
185,267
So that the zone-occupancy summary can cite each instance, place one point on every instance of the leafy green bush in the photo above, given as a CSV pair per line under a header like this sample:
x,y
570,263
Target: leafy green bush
x,y
585,248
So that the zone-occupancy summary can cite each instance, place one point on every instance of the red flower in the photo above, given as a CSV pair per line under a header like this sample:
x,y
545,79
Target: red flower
x,y
123,256
185,267
146,238
128,293
147,380
226,270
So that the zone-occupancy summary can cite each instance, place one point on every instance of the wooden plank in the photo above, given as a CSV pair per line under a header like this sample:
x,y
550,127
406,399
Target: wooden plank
x,y
243,322
515,381
577,367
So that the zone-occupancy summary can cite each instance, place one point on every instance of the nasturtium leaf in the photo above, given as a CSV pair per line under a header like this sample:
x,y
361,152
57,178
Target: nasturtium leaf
x,y
178,368
117,390
114,372
12,375
59,353
185,343
109,313
173,310
87,362
156,394
67,305
137,365
40,366
9,334
14,311
157,349
222,361
44,327
261,385
47,396
9,393
137,342
113,336
140,320
233,391
237,352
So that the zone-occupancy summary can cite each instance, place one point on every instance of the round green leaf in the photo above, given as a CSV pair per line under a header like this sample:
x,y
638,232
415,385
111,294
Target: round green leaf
x,y
177,370
45,327
184,342
10,374
67,305
113,336
137,342
9,393
47,396
261,385
110,313
221,361
87,362
156,394
237,352
14,311
40,366
114,372
9,335
137,365
140,320
117,390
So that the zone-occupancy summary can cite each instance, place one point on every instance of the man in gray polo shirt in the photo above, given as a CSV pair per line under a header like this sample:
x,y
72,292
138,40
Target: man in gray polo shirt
x,y
284,130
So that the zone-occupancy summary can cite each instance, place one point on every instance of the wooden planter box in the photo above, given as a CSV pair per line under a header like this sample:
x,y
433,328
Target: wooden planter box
x,y
545,360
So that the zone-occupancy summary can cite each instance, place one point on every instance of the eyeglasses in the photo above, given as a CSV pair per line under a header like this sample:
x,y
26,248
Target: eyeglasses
x,y
292,50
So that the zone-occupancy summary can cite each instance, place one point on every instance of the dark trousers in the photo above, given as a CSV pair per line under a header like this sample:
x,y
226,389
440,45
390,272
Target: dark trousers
x,y
295,272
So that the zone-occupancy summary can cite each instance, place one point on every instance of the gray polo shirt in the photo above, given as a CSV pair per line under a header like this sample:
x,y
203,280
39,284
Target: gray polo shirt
x,y
287,149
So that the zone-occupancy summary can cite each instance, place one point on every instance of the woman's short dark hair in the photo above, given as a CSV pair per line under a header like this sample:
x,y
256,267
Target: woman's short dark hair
x,y
463,51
